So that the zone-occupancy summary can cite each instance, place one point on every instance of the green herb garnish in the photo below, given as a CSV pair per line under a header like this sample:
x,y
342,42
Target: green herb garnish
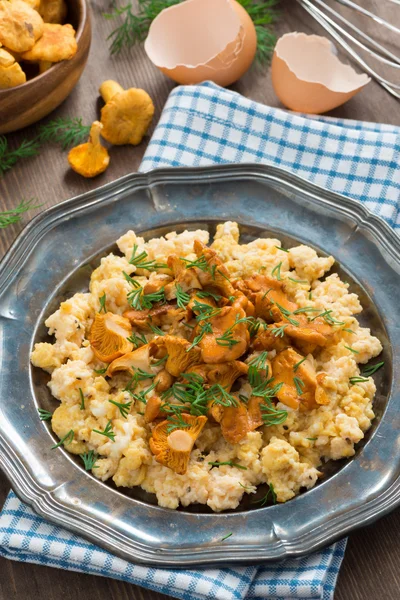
x,y
108,432
44,415
89,460
8,217
66,440
368,371
264,500
228,463
182,298
102,301
82,397
276,272
124,407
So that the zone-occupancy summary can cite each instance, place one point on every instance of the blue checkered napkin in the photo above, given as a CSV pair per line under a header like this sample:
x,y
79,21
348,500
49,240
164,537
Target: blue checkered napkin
x,y
202,125
205,124
26,537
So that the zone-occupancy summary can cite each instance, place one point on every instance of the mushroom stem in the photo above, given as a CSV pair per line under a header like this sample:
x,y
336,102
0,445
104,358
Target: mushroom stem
x,y
180,441
94,135
109,89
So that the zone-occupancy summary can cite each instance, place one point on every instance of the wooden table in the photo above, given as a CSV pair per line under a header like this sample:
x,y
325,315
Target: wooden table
x,y
370,568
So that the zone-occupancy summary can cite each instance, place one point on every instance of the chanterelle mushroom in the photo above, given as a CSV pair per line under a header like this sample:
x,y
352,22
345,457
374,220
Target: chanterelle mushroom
x,y
108,336
215,274
52,11
228,337
184,276
11,73
235,422
173,449
57,43
20,25
225,374
92,158
180,356
138,359
298,378
126,115
268,296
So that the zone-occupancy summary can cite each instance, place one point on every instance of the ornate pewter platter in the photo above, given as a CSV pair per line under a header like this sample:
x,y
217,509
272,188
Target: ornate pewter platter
x,y
53,258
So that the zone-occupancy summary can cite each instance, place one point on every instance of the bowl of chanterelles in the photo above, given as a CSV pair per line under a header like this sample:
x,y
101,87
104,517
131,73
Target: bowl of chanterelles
x,y
44,45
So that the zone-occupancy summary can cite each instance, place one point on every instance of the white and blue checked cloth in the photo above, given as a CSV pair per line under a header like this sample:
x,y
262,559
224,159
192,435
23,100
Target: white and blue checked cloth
x,y
202,125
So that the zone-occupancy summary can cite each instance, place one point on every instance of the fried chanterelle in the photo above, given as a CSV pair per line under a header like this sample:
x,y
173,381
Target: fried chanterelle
x,y
200,372
32,32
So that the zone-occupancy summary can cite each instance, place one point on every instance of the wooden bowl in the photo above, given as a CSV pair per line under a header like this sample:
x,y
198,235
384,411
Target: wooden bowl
x,y
27,103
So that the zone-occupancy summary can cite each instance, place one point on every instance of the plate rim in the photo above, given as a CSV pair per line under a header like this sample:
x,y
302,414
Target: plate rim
x,y
43,502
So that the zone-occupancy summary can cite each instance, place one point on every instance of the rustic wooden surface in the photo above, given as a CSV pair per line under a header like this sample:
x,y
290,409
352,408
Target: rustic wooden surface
x,y
370,567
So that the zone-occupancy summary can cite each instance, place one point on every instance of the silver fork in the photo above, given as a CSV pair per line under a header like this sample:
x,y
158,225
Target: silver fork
x,y
338,27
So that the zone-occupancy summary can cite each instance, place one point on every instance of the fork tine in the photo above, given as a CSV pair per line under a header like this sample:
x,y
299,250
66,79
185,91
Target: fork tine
x,y
369,14
321,18
371,41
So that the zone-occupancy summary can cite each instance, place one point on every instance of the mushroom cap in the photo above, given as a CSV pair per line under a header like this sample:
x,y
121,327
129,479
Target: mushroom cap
x,y
52,11
108,336
57,43
35,4
224,374
180,358
138,359
173,449
126,117
282,368
92,158
20,25
11,73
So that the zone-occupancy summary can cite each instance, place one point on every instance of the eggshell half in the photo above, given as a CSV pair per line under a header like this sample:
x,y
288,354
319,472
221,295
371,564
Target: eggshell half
x,y
201,40
307,76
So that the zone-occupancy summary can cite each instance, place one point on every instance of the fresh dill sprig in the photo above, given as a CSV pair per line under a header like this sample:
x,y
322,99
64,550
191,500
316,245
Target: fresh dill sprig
x,y
296,366
299,383
108,432
137,340
352,350
200,262
8,217
67,439
280,248
354,380
327,316
82,397
135,24
260,361
205,294
228,463
102,300
368,371
89,460
100,371
139,260
124,407
228,535
227,338
182,298
271,415
218,395
160,362
276,271
44,415
156,330
279,331
66,131
9,157
264,500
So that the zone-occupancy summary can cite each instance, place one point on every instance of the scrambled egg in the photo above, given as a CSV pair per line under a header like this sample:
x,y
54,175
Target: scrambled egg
x,y
96,398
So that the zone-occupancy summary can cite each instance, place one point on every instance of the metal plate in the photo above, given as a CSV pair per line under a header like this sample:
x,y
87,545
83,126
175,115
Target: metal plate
x,y
53,258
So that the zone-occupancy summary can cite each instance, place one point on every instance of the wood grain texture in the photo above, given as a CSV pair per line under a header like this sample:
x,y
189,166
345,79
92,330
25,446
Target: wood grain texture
x,y
370,568
26,104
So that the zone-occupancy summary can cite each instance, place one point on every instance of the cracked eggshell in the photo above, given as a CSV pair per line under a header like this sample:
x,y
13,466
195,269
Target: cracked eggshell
x,y
308,77
201,40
